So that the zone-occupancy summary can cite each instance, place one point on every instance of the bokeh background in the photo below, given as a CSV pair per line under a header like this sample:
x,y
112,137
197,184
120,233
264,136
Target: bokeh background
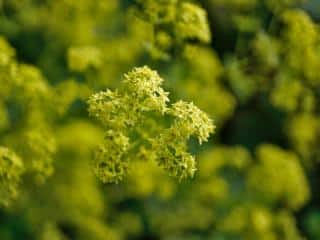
x,y
252,65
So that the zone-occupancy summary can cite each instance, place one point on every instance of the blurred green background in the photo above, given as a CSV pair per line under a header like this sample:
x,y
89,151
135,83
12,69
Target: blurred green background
x,y
252,65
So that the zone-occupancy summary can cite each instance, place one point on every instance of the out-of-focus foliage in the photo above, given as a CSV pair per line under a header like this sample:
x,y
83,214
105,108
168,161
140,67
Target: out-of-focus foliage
x,y
251,65
173,23
11,170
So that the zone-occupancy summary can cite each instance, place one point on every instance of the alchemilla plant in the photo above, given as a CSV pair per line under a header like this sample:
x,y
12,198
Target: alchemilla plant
x,y
132,117
159,119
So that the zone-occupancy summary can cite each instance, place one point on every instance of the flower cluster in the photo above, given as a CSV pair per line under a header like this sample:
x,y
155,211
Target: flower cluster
x,y
126,113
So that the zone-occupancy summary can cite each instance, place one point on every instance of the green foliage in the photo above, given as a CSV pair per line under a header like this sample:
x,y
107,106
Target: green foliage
x,y
262,178
11,169
81,58
174,23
